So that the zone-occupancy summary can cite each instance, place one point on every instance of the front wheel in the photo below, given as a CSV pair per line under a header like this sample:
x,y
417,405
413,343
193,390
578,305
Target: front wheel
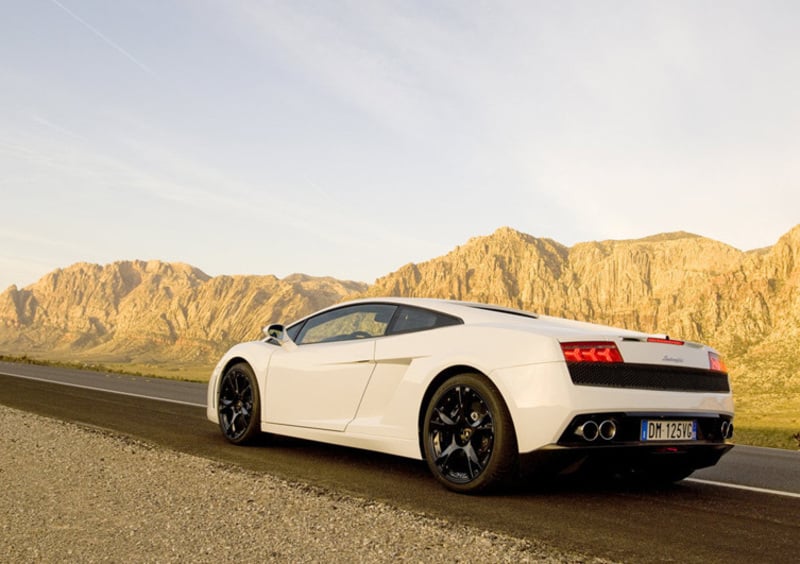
x,y
468,436
238,404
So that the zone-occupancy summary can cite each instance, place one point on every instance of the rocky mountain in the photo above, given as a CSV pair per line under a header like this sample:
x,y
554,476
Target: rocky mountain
x,y
746,304
152,311
675,283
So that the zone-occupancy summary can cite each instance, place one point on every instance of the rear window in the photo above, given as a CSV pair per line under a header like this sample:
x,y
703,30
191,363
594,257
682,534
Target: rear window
x,y
410,319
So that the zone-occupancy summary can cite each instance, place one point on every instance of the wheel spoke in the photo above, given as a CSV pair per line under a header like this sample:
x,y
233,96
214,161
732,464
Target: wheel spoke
x,y
483,424
445,455
226,422
474,466
444,420
237,416
461,410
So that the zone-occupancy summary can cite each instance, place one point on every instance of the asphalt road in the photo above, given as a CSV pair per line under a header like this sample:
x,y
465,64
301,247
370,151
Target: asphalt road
x,y
688,522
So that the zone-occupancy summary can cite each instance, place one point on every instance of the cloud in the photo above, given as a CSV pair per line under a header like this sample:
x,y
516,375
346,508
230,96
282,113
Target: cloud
x,y
388,62
104,38
59,129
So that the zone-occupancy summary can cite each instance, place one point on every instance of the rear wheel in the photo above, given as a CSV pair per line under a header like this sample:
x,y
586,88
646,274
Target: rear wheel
x,y
468,436
238,404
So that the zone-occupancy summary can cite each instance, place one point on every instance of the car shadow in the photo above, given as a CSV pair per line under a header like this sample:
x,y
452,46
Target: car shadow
x,y
311,459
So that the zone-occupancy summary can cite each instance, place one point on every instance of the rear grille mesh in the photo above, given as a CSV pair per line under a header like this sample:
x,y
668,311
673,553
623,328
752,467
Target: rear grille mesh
x,y
647,377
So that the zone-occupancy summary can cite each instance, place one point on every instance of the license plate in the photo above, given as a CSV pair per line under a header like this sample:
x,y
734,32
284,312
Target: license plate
x,y
668,430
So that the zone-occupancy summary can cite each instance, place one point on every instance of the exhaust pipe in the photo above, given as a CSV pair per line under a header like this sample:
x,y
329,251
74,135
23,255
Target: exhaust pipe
x,y
588,431
726,430
607,430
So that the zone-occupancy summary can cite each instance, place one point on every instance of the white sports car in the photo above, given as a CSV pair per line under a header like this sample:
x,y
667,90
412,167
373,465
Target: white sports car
x,y
480,392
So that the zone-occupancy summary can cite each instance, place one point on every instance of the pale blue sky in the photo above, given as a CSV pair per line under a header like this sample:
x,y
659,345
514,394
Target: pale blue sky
x,y
349,138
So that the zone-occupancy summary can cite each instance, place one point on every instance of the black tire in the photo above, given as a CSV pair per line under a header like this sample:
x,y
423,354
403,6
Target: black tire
x,y
239,405
468,436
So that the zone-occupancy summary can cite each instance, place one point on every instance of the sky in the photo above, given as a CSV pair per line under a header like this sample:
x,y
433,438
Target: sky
x,y
349,138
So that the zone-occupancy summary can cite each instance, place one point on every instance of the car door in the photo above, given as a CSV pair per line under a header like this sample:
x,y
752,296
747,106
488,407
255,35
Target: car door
x,y
320,382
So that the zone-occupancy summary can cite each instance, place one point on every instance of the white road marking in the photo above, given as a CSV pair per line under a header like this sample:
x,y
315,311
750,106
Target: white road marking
x,y
741,487
129,394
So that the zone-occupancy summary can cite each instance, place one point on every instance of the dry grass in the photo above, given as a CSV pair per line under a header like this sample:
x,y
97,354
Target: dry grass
x,y
188,372
774,437
199,372
768,419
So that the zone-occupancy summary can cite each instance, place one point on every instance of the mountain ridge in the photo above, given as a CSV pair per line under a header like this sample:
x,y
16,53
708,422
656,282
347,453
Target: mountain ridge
x,y
638,283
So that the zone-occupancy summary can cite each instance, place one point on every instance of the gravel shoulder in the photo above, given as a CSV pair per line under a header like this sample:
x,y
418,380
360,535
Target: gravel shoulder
x,y
74,493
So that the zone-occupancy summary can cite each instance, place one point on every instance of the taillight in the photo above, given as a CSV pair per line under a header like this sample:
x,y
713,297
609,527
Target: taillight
x,y
591,352
666,341
716,363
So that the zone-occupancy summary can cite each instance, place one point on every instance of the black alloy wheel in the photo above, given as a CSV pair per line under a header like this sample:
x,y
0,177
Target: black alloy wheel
x,y
468,437
238,404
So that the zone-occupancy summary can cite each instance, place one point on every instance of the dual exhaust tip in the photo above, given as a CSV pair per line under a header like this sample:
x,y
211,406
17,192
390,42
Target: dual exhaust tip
x,y
726,429
591,431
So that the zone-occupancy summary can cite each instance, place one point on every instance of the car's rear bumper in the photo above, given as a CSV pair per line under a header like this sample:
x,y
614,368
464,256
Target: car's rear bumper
x,y
658,460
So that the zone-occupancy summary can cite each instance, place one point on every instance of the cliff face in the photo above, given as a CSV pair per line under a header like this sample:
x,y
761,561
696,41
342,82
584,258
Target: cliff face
x,y
153,311
746,304
677,283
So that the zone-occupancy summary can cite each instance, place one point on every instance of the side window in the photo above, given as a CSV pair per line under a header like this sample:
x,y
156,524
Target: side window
x,y
293,331
410,319
361,321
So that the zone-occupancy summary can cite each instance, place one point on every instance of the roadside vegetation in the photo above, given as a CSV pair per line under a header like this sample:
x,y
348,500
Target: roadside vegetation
x,y
768,419
185,373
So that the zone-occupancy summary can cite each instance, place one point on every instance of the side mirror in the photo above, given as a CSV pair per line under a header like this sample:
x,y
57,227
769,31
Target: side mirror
x,y
276,334
275,331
